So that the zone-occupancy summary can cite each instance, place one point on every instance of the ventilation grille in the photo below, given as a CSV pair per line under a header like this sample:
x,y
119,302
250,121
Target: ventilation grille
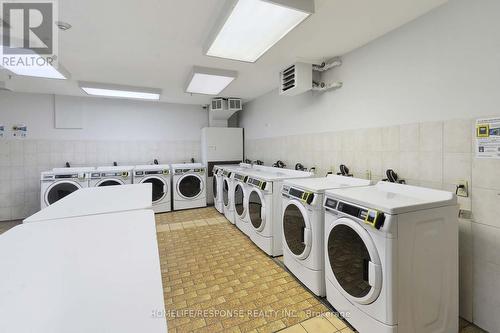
x,y
288,78
217,104
296,79
234,104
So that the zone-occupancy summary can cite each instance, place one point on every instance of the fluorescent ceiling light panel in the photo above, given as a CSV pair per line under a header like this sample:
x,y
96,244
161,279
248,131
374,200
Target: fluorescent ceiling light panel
x,y
209,81
119,91
249,28
32,64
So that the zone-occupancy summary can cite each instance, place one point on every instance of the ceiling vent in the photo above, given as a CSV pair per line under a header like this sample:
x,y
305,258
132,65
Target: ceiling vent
x,y
221,109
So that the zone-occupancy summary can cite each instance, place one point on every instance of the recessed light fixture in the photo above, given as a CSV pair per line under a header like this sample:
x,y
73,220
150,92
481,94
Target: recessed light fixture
x,y
209,81
249,28
119,91
34,65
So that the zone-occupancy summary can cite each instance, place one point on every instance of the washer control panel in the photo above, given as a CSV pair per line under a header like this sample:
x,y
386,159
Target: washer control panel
x,y
371,217
302,195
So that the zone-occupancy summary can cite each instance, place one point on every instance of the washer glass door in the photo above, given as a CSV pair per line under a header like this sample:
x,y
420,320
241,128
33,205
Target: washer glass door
x,y
160,188
110,182
225,192
214,186
59,190
255,210
238,200
190,186
296,229
354,261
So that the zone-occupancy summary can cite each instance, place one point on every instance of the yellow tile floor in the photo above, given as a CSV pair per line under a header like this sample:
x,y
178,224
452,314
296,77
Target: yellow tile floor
x,y
216,280
210,269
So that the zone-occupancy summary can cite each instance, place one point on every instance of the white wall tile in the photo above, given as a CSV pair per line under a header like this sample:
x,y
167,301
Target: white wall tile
x,y
431,137
409,138
390,139
409,165
457,136
486,276
486,206
486,173
457,166
466,269
431,167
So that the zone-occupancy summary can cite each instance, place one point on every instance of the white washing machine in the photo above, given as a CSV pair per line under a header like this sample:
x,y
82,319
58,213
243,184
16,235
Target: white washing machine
x,y
263,206
230,176
217,188
303,219
391,258
189,185
160,179
218,183
58,183
111,176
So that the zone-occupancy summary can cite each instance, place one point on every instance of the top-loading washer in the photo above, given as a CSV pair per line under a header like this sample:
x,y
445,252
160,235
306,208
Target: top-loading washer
x,y
189,185
60,182
230,176
391,258
159,175
111,176
303,220
263,206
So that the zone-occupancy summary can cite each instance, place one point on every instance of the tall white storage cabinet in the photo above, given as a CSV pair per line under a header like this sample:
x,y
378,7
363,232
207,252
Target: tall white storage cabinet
x,y
219,146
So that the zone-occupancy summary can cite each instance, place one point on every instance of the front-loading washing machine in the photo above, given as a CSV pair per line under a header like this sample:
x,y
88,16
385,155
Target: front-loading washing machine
x,y
159,176
303,220
217,188
189,185
391,258
262,205
230,176
111,176
60,182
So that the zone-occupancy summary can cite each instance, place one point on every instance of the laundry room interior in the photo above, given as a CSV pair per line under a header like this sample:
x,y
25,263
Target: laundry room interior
x,y
295,166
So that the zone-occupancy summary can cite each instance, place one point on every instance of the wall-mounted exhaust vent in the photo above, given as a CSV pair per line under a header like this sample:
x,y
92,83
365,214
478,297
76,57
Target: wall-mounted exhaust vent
x,y
301,77
296,79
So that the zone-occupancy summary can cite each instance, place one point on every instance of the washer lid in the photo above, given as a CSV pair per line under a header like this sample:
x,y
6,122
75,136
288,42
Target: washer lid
x,y
320,185
394,198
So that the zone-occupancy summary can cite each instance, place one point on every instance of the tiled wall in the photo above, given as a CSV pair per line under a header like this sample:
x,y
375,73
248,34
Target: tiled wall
x,y
431,154
21,162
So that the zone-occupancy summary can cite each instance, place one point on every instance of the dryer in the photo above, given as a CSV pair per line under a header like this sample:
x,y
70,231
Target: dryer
x,y
303,220
159,176
263,206
111,176
189,185
58,183
391,258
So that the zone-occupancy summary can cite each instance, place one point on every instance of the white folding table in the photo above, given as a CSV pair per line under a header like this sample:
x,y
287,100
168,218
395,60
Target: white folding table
x,y
97,200
98,273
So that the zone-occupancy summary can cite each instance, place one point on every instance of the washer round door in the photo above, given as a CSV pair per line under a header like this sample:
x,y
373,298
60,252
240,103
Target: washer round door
x,y
225,192
110,182
256,210
297,229
59,190
215,183
190,186
160,187
239,196
354,261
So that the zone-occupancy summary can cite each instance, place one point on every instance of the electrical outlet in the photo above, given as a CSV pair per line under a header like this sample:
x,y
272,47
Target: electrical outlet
x,y
463,188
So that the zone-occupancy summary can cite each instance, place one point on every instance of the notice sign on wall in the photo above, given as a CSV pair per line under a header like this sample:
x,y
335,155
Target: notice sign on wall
x,y
20,131
488,138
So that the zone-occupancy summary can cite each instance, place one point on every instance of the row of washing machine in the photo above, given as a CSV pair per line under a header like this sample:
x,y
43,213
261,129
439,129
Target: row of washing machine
x,y
385,256
185,183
